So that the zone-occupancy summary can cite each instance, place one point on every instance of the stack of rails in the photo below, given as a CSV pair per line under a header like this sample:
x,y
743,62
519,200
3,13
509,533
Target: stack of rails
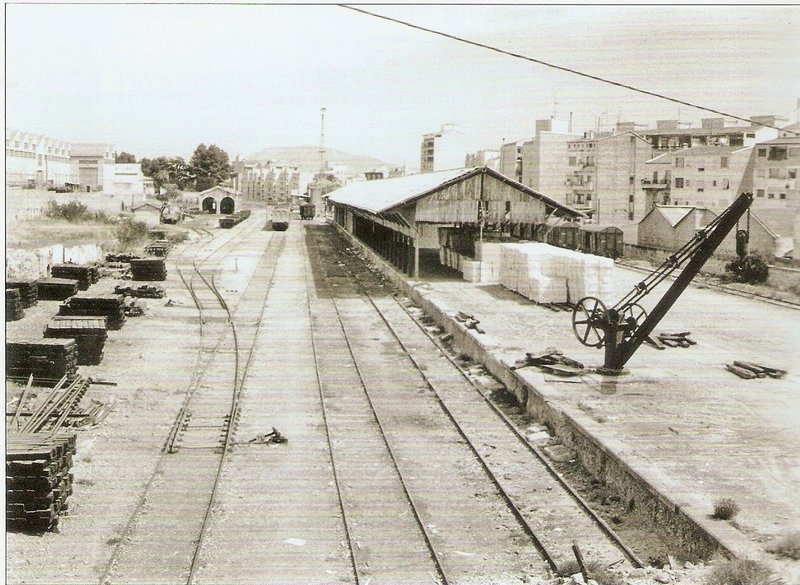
x,y
85,275
148,269
14,310
38,479
112,307
144,291
89,334
28,290
44,359
57,289
233,219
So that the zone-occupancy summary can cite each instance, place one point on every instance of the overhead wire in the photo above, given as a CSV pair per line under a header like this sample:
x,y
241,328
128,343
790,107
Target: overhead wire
x,y
558,67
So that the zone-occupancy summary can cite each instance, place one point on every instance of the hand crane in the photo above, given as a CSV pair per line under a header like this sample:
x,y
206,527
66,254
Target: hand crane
x,y
625,326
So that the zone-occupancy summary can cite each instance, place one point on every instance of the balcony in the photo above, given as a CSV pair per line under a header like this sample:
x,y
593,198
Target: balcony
x,y
660,185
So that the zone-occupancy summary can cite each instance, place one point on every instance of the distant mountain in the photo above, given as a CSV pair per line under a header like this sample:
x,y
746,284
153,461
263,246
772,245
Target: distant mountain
x,y
307,158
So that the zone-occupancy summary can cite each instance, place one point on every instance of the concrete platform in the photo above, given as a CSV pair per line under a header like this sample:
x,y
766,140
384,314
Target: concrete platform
x,y
677,433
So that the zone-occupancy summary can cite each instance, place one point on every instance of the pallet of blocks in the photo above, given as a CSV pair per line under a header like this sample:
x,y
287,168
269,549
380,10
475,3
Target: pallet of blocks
x,y
44,359
38,479
82,273
148,269
28,291
57,289
89,334
14,310
112,307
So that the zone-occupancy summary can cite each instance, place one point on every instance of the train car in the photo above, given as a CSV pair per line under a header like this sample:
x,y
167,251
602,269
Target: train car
x,y
228,221
280,219
601,240
307,211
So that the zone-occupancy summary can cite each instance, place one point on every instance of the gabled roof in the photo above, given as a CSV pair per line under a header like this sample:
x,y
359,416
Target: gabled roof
x,y
789,140
219,187
379,197
674,214
146,204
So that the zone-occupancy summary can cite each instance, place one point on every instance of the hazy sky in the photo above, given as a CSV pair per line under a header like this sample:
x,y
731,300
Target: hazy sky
x,y
159,79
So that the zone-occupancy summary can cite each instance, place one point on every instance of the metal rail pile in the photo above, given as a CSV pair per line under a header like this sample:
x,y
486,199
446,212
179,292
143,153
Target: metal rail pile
x,y
38,479
28,291
111,307
89,334
85,274
148,269
14,307
44,359
57,289
51,413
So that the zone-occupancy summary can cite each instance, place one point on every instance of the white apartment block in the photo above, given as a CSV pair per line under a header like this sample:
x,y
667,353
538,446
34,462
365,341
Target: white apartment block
x,y
442,150
544,158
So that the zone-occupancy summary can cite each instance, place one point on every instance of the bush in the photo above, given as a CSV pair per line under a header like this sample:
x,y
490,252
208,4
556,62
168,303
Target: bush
x,y
751,269
725,509
788,546
131,233
740,572
73,211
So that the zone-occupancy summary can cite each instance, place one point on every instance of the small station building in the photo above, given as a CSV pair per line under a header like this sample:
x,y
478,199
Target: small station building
x,y
218,200
448,211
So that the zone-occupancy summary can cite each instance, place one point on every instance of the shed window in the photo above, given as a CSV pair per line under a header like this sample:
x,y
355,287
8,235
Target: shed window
x,y
723,162
760,193
762,152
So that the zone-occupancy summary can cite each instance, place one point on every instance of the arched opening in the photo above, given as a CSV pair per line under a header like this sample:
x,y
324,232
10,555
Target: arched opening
x,y
227,205
209,205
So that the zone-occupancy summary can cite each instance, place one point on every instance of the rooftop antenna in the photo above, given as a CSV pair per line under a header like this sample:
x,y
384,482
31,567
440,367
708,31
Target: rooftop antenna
x,y
321,143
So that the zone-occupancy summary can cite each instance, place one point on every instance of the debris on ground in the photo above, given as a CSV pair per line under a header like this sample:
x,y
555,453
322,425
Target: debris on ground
x,y
144,291
552,361
469,321
273,436
133,307
676,339
750,370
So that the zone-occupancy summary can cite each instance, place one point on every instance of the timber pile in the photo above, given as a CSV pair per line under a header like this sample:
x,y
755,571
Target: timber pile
x,y
89,334
547,274
41,358
144,291
149,269
38,479
750,370
14,310
158,248
86,275
671,339
469,321
28,290
57,289
121,257
552,361
111,307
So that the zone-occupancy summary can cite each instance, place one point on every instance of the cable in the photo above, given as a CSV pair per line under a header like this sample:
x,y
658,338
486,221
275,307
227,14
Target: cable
x,y
553,66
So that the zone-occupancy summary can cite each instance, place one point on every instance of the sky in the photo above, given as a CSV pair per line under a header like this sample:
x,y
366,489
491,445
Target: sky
x,y
159,79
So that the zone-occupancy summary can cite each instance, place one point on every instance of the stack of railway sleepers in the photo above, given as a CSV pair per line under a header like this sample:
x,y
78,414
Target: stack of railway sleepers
x,y
38,479
43,358
28,291
148,269
14,310
144,291
158,248
121,257
79,272
111,307
57,289
89,334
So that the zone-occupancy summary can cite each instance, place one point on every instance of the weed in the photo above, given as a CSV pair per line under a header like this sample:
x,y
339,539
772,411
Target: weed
x,y
788,546
596,571
725,509
751,269
740,572
130,233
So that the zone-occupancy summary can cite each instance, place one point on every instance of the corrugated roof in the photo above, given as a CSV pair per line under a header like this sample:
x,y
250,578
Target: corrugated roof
x,y
378,197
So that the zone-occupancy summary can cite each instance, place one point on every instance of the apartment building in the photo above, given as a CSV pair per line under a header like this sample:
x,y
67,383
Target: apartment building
x,y
442,150
484,158
702,176
510,162
674,134
545,157
38,161
775,174
266,181
604,176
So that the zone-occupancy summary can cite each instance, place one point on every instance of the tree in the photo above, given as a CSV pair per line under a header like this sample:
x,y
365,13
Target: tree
x,y
169,192
125,157
165,170
210,166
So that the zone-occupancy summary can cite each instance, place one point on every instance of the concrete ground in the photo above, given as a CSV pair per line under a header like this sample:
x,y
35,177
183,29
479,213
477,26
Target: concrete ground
x,y
692,430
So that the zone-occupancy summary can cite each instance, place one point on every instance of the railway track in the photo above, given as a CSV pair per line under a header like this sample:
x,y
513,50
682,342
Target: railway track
x,y
163,538
542,516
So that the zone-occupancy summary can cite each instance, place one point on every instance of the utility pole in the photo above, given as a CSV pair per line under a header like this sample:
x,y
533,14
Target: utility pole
x,y
322,142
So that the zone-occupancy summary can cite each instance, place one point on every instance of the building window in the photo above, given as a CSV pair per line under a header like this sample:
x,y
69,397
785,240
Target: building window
x,y
777,153
726,184
770,195
762,152
783,195
760,193
792,173
794,152
714,183
679,182
778,173
679,162
723,162
701,169
630,216
630,198
751,134
572,161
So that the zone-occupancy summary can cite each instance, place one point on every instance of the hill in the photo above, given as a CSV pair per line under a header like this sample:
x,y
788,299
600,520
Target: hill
x,y
307,158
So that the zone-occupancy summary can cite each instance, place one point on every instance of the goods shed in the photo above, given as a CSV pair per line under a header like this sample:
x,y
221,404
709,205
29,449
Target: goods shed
x,y
445,212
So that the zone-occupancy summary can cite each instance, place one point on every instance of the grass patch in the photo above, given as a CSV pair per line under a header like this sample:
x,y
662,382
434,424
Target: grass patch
x,y
725,509
741,572
787,547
